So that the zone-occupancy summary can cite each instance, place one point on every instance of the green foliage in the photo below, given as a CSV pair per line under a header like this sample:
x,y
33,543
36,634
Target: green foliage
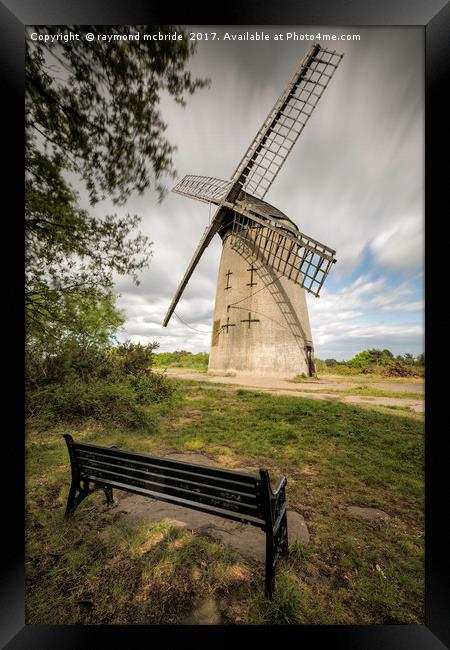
x,y
284,608
182,359
74,360
114,385
98,105
371,358
54,318
375,361
420,360
92,115
119,403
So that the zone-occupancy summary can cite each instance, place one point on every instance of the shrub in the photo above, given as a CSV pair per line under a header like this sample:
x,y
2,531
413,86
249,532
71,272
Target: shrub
x,y
400,369
72,360
111,384
375,361
182,359
120,403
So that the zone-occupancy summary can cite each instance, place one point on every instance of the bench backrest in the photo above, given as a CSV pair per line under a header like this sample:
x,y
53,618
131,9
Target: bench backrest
x,y
227,493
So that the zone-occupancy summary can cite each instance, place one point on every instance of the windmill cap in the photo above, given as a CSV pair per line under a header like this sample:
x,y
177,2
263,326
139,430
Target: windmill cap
x,y
267,210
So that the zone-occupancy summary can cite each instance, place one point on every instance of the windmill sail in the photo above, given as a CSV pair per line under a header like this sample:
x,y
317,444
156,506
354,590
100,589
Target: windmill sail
x,y
209,233
289,252
275,139
203,188
303,259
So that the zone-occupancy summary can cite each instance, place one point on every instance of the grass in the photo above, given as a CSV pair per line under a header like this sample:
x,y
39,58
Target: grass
x,y
355,374
183,360
101,569
390,371
366,391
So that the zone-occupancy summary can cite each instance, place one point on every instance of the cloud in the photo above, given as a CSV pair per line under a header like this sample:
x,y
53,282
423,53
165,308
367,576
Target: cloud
x,y
144,323
354,180
367,314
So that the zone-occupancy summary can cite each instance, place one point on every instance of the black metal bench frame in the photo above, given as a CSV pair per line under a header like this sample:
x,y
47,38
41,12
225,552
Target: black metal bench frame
x,y
247,498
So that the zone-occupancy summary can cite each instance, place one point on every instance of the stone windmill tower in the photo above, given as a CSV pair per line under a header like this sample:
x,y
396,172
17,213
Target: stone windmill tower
x,y
261,324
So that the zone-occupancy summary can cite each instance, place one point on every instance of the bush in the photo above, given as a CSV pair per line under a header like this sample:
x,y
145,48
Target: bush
x,y
120,403
113,384
375,362
400,369
73,360
182,359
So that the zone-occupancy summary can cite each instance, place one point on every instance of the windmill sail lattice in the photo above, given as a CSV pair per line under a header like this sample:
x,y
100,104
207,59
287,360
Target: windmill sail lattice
x,y
280,131
203,188
299,258
242,216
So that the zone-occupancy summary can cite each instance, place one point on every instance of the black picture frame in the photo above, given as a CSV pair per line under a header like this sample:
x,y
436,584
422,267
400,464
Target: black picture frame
x,y
434,17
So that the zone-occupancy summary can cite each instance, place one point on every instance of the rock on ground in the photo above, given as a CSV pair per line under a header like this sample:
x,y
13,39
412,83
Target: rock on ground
x,y
368,513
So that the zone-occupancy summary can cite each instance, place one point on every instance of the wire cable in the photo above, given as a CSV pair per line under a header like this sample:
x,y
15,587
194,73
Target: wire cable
x,y
250,295
190,326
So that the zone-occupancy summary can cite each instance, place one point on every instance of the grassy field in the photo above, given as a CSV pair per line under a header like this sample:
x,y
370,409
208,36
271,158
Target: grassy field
x,y
365,390
99,568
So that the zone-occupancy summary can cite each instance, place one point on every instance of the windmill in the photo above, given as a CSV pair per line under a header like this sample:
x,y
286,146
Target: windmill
x,y
261,324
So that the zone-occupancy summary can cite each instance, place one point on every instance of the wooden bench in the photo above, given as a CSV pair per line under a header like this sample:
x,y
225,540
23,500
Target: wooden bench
x,y
240,496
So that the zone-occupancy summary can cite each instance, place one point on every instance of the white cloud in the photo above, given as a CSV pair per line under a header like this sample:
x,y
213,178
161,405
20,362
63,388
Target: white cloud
x,y
348,321
354,181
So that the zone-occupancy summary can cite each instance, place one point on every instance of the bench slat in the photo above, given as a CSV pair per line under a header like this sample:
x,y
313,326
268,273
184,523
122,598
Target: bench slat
x,y
160,488
229,474
199,475
214,510
160,477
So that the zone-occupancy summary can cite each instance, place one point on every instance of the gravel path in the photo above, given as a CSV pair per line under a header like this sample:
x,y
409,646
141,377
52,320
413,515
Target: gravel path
x,y
316,389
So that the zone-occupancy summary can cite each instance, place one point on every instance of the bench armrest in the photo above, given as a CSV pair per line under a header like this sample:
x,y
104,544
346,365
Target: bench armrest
x,y
281,484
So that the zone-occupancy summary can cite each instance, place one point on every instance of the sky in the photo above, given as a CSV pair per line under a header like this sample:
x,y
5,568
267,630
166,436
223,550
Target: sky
x,y
354,181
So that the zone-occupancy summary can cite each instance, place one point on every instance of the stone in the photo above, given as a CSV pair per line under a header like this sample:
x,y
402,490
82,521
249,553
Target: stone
x,y
248,540
368,513
297,528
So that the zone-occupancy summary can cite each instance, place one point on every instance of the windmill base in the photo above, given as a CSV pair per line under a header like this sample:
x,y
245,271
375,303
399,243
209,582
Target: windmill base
x,y
281,361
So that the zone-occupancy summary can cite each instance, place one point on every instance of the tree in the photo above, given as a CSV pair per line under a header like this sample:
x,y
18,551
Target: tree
x,y
74,326
371,357
420,360
93,118
90,319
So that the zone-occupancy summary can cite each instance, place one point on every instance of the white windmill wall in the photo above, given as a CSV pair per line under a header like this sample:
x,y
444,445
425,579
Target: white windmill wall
x,y
274,342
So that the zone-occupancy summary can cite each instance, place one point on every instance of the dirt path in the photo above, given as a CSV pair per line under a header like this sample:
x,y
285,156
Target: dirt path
x,y
316,389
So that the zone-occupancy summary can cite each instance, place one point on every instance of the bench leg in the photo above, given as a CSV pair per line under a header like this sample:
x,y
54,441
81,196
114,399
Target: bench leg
x,y
70,501
107,489
108,494
281,538
270,565
277,546
77,494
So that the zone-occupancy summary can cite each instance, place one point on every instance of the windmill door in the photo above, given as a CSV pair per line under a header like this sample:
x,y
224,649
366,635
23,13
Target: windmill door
x,y
310,361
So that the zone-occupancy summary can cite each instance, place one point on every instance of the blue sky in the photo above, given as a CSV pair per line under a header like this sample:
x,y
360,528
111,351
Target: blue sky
x,y
353,181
